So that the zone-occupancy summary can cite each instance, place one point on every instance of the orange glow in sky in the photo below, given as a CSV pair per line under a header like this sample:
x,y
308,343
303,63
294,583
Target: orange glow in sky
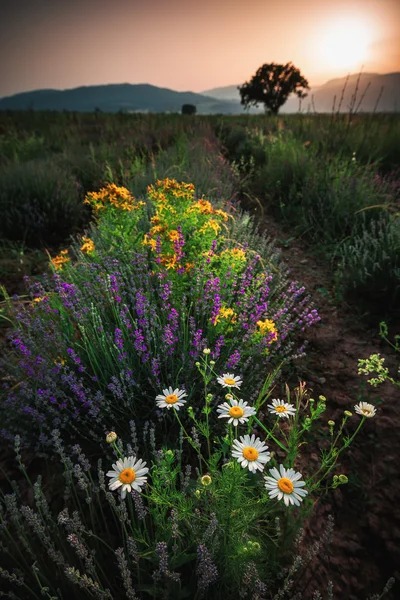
x,y
190,45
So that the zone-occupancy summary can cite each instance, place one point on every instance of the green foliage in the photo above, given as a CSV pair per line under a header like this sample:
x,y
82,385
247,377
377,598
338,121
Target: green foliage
x,y
369,263
271,85
39,203
374,364
327,191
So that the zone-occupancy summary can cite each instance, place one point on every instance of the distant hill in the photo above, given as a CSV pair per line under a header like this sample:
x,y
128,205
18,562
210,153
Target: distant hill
x,y
324,95
223,100
118,97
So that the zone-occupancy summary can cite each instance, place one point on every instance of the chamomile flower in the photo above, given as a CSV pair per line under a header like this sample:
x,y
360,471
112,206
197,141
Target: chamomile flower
x,y
171,398
128,474
251,452
365,410
230,380
237,411
281,408
285,485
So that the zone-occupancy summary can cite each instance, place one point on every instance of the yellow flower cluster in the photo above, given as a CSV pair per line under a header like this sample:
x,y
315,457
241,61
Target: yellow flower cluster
x,y
235,253
60,260
88,245
112,195
179,217
265,328
228,314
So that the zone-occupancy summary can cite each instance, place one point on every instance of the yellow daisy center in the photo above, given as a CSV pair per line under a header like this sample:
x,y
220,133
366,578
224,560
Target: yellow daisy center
x,y
250,453
280,408
366,411
285,485
127,476
171,399
229,381
236,412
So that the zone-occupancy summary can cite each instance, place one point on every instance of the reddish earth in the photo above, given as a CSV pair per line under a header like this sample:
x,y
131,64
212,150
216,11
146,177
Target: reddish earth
x,y
365,549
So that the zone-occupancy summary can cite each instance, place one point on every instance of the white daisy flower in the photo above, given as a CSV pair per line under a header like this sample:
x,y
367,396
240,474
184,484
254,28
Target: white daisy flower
x,y
365,410
285,485
171,398
281,408
237,411
129,474
230,380
251,452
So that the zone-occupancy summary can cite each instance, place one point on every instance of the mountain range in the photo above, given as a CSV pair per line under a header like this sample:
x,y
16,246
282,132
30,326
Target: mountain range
x,y
375,92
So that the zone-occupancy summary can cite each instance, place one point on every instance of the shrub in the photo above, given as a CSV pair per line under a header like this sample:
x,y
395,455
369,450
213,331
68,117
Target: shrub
x,y
137,308
39,203
369,263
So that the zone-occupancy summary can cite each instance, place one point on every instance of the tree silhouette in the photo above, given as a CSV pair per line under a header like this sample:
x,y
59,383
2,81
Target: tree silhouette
x,y
272,85
188,109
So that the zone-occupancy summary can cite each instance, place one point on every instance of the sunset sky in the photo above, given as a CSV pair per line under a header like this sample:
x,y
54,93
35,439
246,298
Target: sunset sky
x,y
190,45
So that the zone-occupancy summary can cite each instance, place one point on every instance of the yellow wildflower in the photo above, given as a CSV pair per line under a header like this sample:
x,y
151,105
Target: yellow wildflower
x,y
222,214
235,253
211,224
225,313
60,260
173,235
170,262
266,328
88,245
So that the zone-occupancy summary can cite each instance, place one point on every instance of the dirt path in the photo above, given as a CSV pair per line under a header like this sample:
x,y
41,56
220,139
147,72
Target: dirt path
x,y
365,550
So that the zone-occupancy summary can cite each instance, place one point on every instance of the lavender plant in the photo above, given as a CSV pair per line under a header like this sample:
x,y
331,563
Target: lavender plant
x,y
215,515
115,323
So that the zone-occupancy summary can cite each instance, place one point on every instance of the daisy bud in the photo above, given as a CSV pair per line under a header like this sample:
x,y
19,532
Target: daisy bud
x,y
348,413
111,437
206,480
331,423
197,493
343,479
206,351
197,364
212,362
228,397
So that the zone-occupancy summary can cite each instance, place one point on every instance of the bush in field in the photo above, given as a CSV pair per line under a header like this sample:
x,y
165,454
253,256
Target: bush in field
x,y
154,285
369,263
189,109
39,203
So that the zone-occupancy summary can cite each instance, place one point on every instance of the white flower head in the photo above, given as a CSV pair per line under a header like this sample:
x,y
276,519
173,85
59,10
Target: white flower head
x,y
365,410
230,380
171,398
281,408
237,411
128,474
285,485
251,452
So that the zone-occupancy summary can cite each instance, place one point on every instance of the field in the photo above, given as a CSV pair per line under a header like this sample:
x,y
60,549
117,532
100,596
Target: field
x,y
172,286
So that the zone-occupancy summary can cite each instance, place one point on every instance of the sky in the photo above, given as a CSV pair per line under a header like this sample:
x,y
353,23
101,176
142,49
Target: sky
x,y
190,45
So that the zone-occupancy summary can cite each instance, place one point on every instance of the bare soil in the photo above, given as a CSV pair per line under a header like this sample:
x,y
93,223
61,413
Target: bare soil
x,y
365,549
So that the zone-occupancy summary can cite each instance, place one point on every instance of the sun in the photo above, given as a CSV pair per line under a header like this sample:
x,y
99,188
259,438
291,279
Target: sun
x,y
345,44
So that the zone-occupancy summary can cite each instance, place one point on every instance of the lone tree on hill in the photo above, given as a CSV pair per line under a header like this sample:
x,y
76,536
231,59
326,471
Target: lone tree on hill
x,y
272,85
